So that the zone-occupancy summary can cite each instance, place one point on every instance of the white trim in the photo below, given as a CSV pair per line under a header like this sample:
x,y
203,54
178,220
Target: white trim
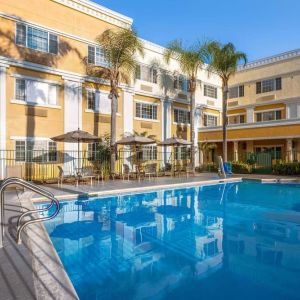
x,y
29,138
97,11
237,114
20,76
90,111
146,102
252,139
146,120
283,122
267,110
212,114
270,60
181,124
20,102
180,108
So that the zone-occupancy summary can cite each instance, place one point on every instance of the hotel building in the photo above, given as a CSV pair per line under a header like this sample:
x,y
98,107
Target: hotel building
x,y
45,91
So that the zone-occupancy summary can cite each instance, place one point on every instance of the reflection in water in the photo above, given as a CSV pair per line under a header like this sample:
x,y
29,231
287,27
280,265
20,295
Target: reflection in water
x,y
230,241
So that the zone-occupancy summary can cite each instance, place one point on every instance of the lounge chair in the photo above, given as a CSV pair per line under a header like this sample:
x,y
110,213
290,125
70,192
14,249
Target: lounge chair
x,y
151,170
60,178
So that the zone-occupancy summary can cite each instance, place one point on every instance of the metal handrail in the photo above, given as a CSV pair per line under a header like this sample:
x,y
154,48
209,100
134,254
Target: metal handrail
x,y
34,188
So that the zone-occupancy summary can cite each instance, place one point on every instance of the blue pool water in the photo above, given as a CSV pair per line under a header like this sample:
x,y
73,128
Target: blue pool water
x,y
226,241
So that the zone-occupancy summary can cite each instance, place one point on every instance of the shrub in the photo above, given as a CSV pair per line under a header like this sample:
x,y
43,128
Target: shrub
x,y
241,167
287,168
208,167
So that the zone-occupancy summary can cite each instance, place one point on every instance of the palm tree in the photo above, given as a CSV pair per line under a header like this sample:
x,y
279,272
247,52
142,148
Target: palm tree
x,y
224,61
190,59
120,47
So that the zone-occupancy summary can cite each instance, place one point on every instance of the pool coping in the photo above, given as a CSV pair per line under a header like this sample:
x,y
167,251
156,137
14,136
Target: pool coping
x,y
48,269
139,189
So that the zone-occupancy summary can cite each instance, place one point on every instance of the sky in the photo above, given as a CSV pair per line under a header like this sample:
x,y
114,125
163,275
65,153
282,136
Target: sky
x,y
260,28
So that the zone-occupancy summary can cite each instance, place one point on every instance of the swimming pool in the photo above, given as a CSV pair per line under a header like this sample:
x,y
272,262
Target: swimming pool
x,y
226,241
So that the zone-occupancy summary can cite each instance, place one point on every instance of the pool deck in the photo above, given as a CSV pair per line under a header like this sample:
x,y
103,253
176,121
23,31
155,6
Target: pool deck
x,y
70,191
33,269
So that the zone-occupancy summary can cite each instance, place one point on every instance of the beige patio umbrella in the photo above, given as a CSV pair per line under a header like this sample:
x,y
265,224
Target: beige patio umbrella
x,y
135,140
175,142
77,136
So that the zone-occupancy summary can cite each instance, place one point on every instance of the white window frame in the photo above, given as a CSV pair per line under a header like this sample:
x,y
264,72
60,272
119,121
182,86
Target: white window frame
x,y
153,105
208,115
213,88
151,74
45,151
239,117
103,63
238,95
27,79
148,152
268,111
184,111
38,28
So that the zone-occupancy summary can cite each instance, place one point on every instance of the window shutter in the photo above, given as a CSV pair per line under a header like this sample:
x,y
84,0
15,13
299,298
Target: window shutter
x,y
21,35
97,101
278,83
278,114
53,43
241,91
259,117
91,54
138,72
176,115
258,87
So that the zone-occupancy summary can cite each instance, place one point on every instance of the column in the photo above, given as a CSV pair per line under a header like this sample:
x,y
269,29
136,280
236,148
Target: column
x,y
250,115
196,129
289,150
201,156
72,121
128,116
166,127
235,150
2,120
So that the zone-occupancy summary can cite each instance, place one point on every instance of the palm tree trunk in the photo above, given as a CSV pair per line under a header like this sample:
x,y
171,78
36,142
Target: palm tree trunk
x,y
192,129
224,116
113,131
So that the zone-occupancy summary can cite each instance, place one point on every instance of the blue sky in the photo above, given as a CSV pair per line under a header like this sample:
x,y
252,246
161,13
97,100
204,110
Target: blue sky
x,y
258,27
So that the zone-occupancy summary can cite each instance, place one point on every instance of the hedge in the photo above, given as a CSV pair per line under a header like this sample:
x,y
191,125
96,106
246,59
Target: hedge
x,y
287,168
241,167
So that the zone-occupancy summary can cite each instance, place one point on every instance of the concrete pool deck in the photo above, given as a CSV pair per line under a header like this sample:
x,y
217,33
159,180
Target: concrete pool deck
x,y
33,269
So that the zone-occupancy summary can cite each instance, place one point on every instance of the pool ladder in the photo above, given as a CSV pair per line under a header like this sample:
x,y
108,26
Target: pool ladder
x,y
21,225
221,170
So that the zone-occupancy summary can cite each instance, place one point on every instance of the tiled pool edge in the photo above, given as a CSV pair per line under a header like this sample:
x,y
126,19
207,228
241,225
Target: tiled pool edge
x,y
138,189
49,274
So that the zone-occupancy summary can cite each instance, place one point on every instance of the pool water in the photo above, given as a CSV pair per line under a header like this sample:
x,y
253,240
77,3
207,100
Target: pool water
x,y
226,241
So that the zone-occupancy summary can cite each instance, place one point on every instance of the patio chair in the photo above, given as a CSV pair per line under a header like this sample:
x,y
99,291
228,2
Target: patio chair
x,y
151,170
60,178
187,170
86,173
126,172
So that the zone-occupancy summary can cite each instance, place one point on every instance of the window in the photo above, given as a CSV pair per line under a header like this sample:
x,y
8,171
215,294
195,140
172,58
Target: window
x,y
35,92
210,120
236,92
237,119
37,39
96,56
35,151
147,153
180,83
91,100
146,73
210,91
182,153
268,116
268,85
182,116
146,111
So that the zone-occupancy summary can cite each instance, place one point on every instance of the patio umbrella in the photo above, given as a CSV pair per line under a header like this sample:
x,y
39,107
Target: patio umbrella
x,y
135,140
174,141
78,136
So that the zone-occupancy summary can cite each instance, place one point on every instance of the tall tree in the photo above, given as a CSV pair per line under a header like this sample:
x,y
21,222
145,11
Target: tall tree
x,y
190,59
224,60
120,47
